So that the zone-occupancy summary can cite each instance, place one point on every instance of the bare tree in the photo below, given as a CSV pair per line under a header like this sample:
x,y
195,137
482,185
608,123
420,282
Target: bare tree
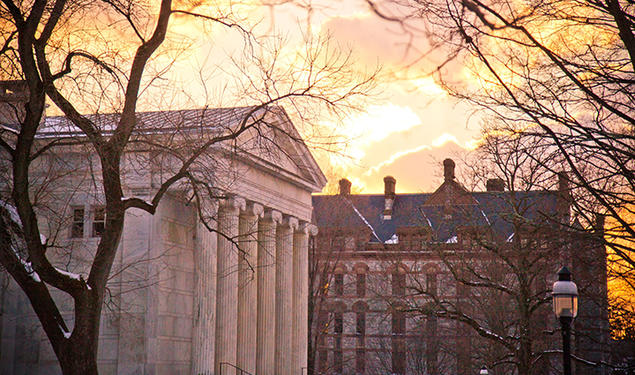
x,y
509,246
327,271
561,72
43,44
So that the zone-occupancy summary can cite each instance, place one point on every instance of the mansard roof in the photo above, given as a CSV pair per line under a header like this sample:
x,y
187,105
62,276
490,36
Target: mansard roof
x,y
442,217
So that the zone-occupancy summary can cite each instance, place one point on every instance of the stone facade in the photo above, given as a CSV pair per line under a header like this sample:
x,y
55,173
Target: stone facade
x,y
392,273
183,299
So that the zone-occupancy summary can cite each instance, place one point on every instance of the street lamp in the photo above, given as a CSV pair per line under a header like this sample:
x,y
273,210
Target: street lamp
x,y
565,306
483,371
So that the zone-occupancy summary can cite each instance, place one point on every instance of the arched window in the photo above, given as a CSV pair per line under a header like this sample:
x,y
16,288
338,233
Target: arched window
x,y
338,280
398,280
360,270
431,271
338,284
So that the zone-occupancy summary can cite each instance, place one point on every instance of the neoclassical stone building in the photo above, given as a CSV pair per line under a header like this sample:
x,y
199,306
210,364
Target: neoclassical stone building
x,y
446,282
183,299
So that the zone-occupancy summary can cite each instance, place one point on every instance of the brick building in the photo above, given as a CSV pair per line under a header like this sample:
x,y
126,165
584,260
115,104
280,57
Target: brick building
x,y
446,282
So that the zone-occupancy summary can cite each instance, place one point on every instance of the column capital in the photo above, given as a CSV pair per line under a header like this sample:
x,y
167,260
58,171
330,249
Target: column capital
x,y
231,203
308,228
252,209
290,222
272,215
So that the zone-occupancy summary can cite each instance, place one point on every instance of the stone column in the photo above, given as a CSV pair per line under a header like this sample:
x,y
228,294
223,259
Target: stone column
x,y
227,284
284,295
205,302
299,342
266,284
247,288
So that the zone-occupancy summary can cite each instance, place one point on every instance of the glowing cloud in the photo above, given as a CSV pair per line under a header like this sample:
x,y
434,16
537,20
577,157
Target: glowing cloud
x,y
377,123
394,157
427,86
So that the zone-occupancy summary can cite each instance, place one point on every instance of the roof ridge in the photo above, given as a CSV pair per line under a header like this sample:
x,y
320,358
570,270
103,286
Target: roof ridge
x,y
159,111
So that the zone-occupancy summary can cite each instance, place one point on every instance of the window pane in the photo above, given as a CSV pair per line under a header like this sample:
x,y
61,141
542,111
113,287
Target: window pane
x,y
361,323
360,361
361,285
100,214
339,284
99,221
339,323
398,284
77,227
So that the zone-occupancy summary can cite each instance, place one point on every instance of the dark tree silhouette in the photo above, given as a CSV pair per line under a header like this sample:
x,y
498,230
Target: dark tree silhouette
x,y
44,49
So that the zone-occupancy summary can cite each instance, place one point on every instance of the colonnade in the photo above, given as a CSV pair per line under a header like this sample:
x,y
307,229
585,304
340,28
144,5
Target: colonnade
x,y
258,318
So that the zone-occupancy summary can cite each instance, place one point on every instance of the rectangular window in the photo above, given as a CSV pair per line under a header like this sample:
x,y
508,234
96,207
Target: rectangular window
x,y
431,344
337,354
323,360
99,221
323,324
398,323
431,283
339,324
338,359
398,284
339,284
361,285
361,323
398,357
360,359
77,228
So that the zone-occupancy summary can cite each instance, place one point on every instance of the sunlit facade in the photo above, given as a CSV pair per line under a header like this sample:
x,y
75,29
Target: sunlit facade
x,y
183,297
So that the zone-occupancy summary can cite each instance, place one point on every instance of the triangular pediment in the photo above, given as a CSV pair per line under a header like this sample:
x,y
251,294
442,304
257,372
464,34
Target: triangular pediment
x,y
279,147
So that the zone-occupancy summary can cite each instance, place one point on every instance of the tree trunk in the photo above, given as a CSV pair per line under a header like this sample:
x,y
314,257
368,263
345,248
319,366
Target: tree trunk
x,y
79,357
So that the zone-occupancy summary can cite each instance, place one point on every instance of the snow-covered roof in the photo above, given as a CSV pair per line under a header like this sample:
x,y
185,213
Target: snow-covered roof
x,y
154,121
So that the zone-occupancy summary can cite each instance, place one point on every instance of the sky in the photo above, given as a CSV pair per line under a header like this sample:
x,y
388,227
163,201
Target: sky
x,y
411,126
405,129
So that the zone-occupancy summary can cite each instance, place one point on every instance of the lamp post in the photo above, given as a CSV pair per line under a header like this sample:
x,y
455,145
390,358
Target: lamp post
x,y
483,371
565,306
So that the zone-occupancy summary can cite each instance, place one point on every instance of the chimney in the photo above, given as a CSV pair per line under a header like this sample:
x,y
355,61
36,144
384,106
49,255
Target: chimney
x,y
389,186
448,169
389,196
345,187
495,184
